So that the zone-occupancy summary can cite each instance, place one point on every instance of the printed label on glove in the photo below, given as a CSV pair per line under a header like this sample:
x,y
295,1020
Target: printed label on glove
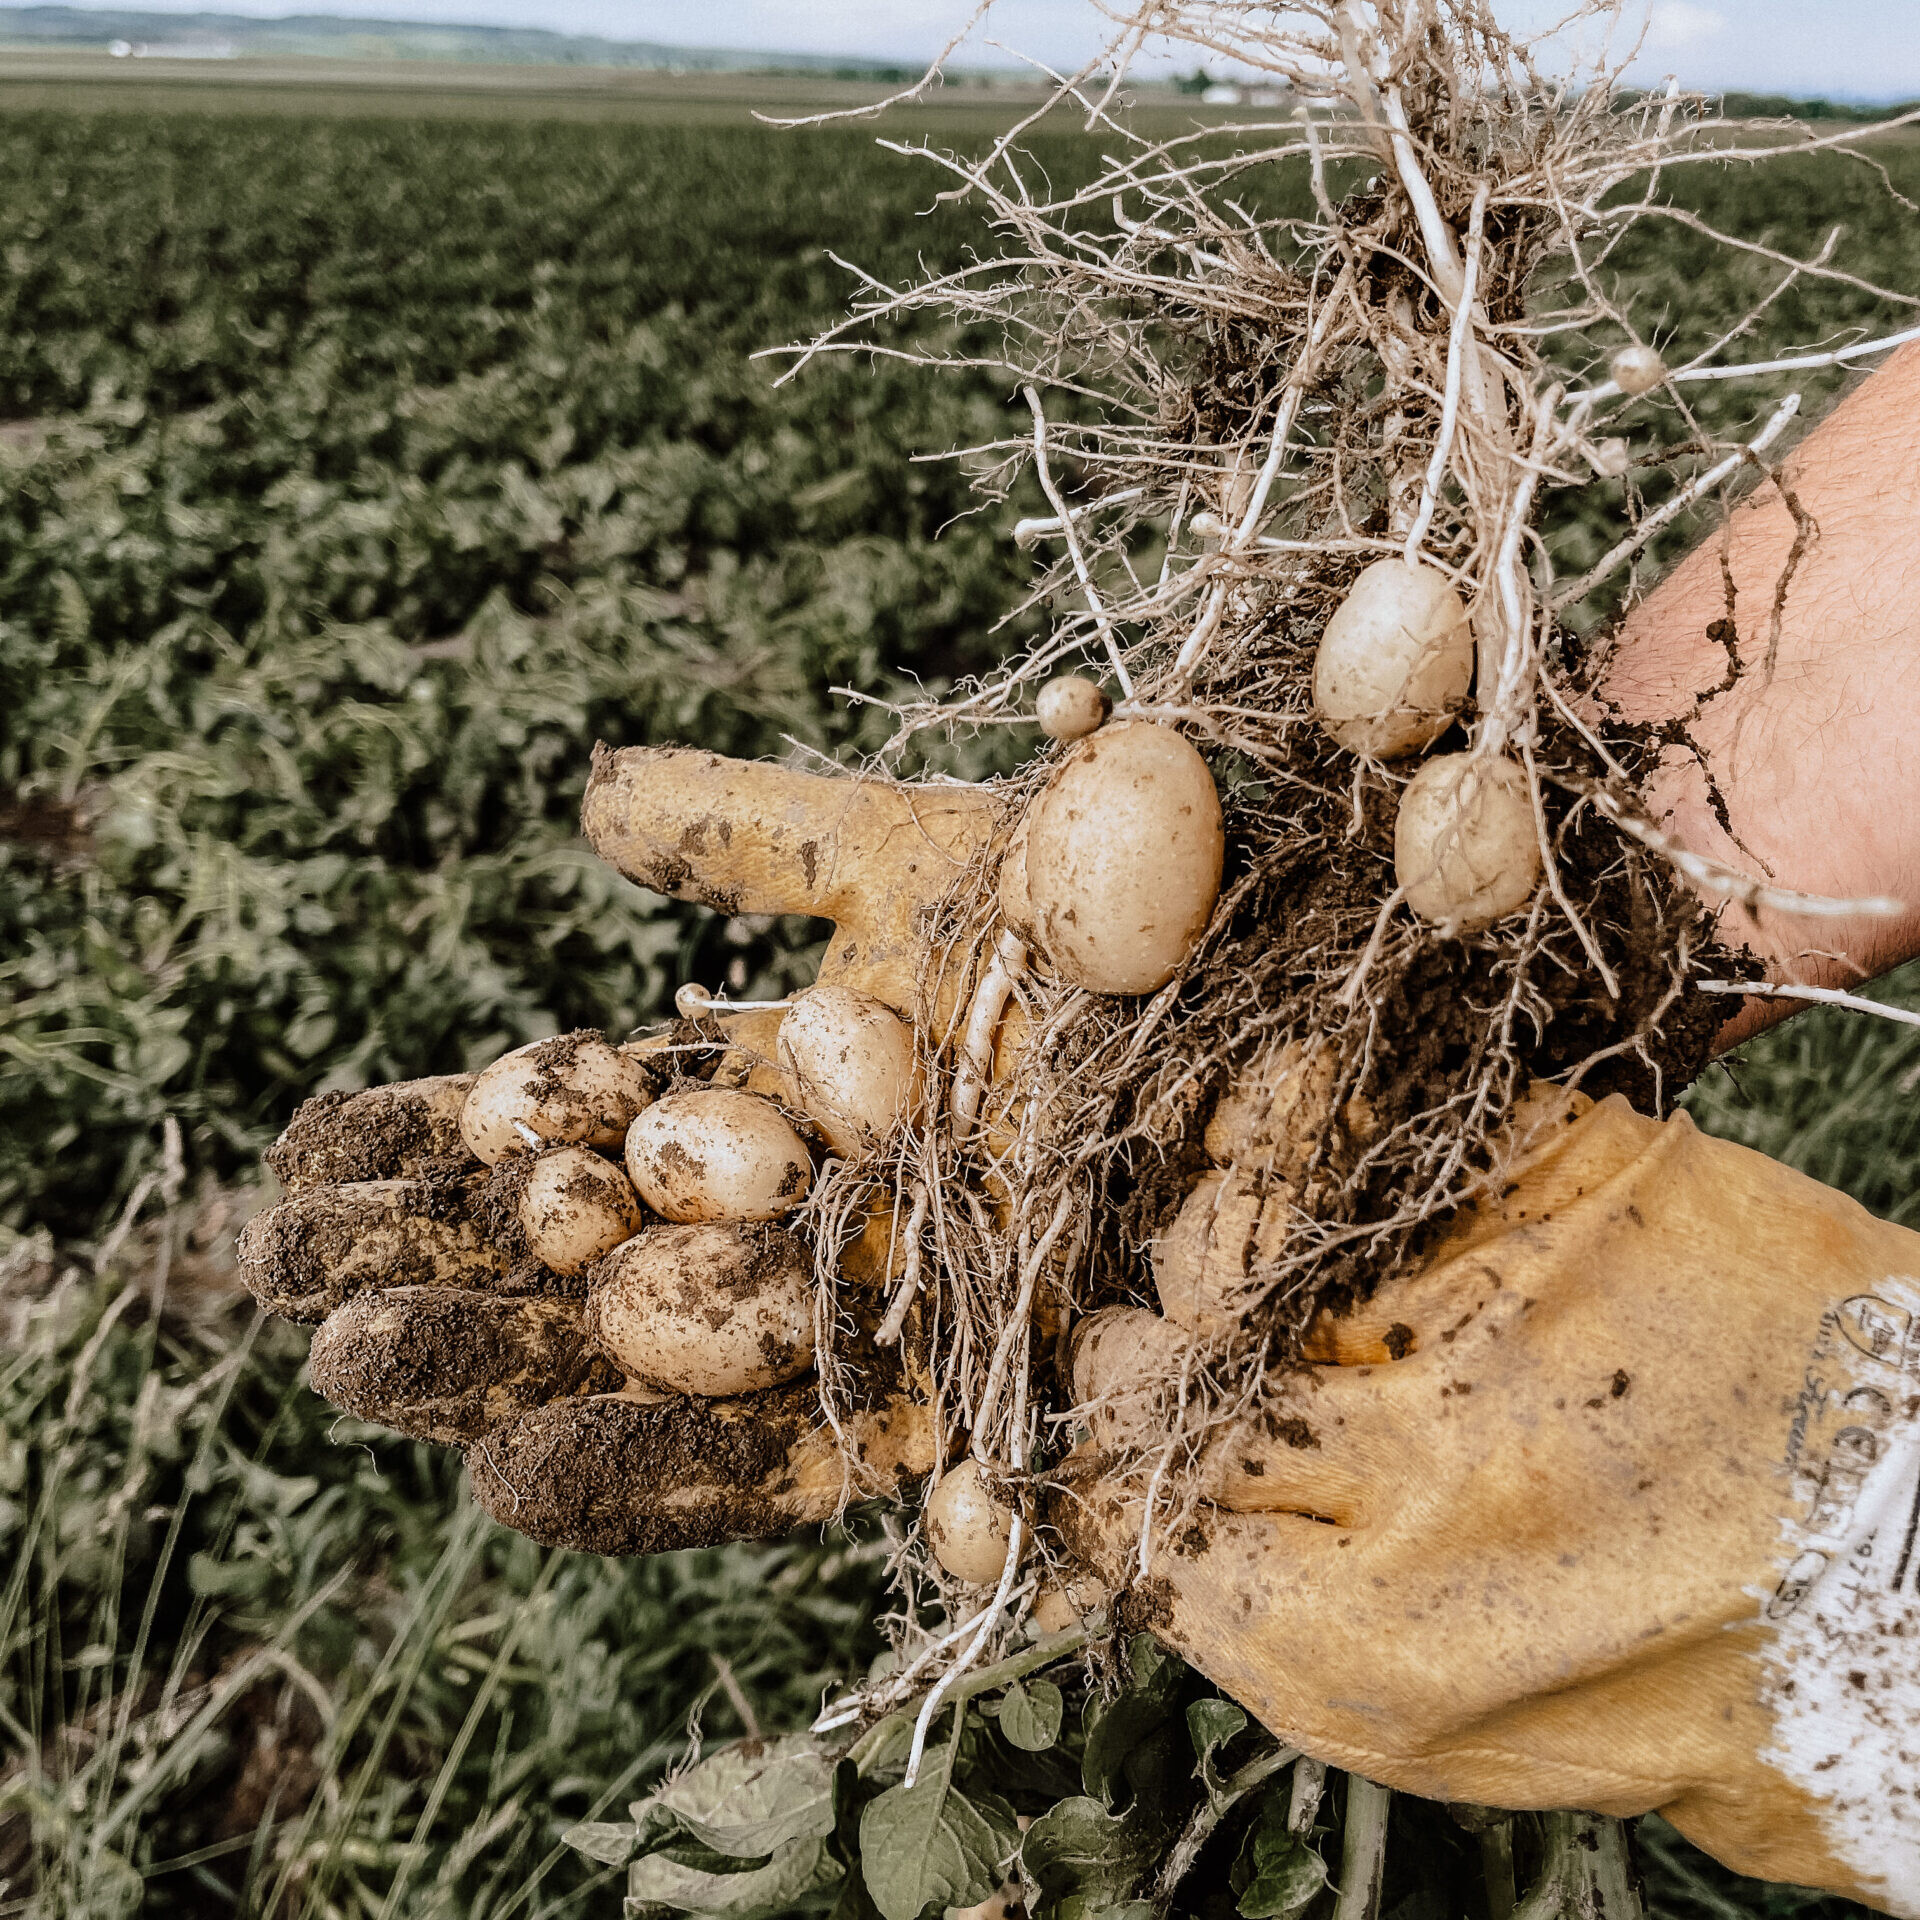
x,y
1843,1659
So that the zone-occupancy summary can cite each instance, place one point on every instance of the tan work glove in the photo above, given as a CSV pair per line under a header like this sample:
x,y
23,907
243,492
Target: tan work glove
x,y
432,1322
1616,1505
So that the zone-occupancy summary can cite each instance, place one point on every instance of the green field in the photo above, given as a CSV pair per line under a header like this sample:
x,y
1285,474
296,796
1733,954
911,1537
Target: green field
x,y
359,470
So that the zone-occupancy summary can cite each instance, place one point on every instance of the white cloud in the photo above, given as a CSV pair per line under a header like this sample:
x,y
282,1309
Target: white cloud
x,y
1677,25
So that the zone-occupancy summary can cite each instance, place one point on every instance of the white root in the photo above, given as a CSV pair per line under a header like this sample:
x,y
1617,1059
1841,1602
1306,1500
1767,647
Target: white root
x,y
889,1329
1710,876
1094,603
1459,349
974,1069
1361,382
1036,527
873,1701
1017,1325
1822,996
1689,496
692,1001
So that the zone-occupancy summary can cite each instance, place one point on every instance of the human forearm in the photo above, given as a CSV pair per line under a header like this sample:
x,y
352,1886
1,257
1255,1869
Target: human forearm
x,y
1813,749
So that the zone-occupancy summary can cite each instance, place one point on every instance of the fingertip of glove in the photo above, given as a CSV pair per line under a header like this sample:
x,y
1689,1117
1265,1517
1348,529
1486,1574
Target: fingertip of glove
x,y
603,1474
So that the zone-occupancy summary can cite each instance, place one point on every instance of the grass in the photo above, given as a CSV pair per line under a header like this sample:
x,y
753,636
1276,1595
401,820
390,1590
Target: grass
x,y
356,473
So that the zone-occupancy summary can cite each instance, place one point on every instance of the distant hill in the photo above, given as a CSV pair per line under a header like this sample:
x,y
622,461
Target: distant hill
x,y
324,33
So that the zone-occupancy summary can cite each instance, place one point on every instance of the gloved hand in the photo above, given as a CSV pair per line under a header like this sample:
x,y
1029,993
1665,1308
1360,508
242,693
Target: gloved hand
x,y
433,1321
1614,1505
1610,1506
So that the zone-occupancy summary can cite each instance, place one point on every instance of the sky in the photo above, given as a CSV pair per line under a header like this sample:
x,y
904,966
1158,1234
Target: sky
x,y
1848,49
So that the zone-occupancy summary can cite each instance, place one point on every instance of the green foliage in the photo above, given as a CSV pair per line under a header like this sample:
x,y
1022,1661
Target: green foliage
x,y
951,1837
367,477
248,1643
1278,1874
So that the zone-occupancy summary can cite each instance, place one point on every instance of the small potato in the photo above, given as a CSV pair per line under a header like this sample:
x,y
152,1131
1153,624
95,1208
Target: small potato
x,y
574,1207
1071,707
967,1527
1065,1602
850,1061
1395,661
1121,1357
1464,845
1637,369
572,1090
1124,853
1610,458
1205,1265
715,1308
713,1154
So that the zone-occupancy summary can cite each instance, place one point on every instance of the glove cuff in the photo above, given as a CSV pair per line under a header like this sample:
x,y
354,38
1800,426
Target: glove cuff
x,y
1840,1647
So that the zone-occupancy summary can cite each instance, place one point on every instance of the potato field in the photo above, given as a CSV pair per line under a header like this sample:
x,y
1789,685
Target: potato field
x,y
357,475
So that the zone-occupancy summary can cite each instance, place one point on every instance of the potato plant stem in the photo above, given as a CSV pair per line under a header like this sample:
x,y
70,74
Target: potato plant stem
x,y
1588,1873
1363,1853
1208,1815
1496,1865
1303,1803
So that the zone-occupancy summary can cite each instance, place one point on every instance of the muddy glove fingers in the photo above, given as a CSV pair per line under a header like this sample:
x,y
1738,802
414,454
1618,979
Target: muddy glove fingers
x,y
449,1364
558,1451
742,837
328,1244
383,1190
442,1232
379,1133
619,1475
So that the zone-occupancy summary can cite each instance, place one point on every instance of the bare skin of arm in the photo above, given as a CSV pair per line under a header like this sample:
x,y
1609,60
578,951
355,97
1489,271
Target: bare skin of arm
x,y
1819,763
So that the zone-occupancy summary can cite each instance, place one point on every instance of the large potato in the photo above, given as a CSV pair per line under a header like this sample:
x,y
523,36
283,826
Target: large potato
x,y
849,1059
713,1308
713,1154
1395,661
1464,844
1016,902
574,1207
572,1090
1124,853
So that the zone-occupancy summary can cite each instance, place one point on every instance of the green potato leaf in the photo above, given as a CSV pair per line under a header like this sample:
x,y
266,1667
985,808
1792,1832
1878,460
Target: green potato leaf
x,y
929,1845
612,1842
1211,1724
1087,1862
1031,1715
1118,1729
1285,1884
1278,1872
751,1798
758,1893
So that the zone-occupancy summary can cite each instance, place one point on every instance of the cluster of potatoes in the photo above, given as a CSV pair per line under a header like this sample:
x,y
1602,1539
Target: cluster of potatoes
x,y
646,1194
1111,875
1394,665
